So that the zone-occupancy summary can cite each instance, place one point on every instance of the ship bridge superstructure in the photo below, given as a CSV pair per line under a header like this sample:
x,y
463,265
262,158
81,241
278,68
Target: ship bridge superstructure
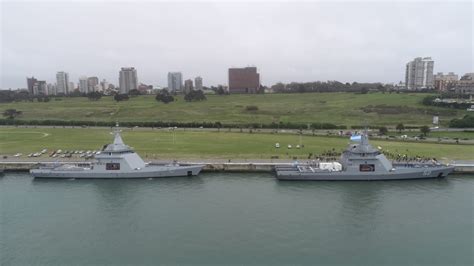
x,y
362,157
118,156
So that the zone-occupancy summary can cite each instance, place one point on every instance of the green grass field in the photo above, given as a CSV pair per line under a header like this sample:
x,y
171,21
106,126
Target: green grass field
x,y
164,144
336,108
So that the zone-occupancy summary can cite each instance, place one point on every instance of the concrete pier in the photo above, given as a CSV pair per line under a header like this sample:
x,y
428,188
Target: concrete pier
x,y
463,167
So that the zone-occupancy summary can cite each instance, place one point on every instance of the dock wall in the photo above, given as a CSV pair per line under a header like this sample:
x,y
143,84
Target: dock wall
x,y
241,167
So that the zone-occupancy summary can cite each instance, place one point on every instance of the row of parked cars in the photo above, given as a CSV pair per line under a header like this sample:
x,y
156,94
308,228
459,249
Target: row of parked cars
x,y
62,154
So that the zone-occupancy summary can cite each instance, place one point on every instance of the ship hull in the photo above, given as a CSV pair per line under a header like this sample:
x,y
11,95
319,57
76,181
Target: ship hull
x,y
147,172
398,174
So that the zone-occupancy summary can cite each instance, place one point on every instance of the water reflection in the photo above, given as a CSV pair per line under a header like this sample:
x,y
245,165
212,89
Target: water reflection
x,y
363,186
360,200
215,218
114,195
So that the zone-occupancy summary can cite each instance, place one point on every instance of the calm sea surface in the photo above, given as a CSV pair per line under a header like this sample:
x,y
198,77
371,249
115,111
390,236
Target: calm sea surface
x,y
235,219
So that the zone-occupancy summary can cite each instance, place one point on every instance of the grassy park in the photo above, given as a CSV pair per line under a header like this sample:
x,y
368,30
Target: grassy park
x,y
348,109
186,144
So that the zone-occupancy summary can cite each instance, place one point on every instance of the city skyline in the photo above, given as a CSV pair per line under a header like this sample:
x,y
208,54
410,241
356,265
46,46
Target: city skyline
x,y
363,42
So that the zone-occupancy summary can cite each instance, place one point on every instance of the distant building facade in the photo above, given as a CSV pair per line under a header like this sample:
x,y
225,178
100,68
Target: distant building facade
x,y
36,87
93,83
188,86
198,83
83,84
51,89
175,81
30,83
72,86
40,88
244,80
444,82
145,89
400,86
419,74
104,85
466,84
128,80
62,83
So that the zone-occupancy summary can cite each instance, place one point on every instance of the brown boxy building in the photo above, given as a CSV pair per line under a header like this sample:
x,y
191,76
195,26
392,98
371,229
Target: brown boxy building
x,y
244,80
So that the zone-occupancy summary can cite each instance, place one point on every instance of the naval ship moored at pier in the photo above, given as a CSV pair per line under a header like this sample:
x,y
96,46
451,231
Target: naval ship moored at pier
x,y
360,161
116,160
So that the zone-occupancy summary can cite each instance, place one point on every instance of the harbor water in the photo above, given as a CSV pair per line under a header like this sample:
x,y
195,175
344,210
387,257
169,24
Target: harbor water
x,y
235,219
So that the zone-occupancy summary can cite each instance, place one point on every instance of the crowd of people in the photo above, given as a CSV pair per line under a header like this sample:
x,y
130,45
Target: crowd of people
x,y
333,155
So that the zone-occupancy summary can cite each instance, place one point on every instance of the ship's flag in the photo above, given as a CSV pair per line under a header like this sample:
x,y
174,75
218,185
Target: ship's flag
x,y
356,138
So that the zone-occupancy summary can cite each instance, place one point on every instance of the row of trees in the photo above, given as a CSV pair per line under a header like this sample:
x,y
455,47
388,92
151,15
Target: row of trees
x,y
163,96
121,97
431,101
11,113
329,86
21,96
94,96
195,96
287,125
192,96
466,122
400,127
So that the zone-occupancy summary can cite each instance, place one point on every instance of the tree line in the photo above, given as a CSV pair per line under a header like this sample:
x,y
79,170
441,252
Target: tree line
x,y
21,96
329,86
288,125
431,101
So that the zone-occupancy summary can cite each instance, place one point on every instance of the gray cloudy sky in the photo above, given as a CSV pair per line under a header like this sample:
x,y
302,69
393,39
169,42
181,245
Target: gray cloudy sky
x,y
287,41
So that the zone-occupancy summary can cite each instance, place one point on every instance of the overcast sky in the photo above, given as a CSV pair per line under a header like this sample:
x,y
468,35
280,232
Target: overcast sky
x,y
305,41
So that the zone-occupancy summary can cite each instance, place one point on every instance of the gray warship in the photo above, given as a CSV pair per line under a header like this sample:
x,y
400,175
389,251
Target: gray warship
x,y
116,160
360,161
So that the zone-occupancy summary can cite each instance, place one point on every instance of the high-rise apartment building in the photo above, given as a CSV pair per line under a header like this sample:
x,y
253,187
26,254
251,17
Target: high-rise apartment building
x,y
30,82
84,85
175,81
419,74
127,80
188,86
244,80
62,83
198,83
